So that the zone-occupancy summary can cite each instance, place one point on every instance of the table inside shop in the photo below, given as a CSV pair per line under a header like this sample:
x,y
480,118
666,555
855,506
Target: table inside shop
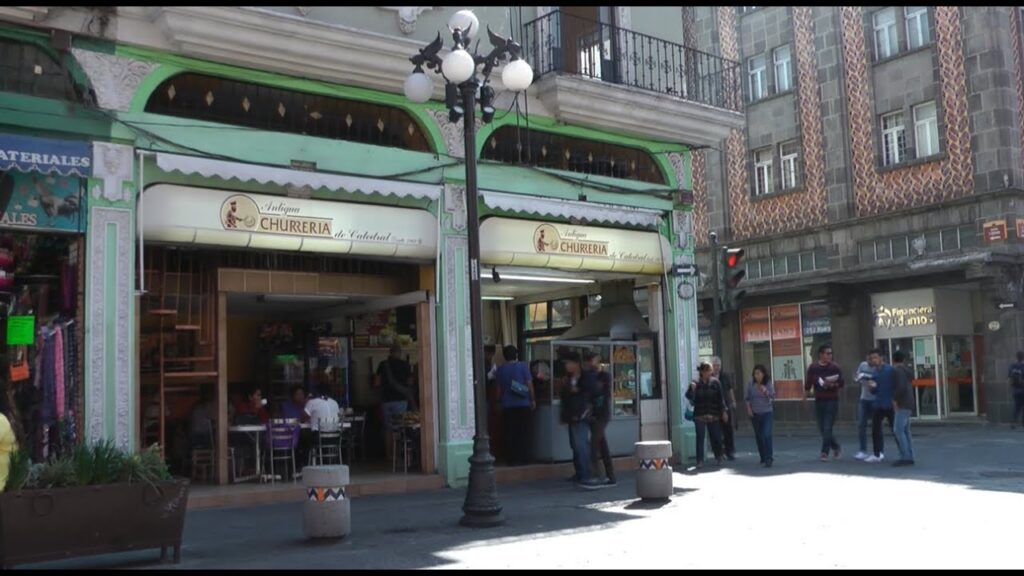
x,y
255,431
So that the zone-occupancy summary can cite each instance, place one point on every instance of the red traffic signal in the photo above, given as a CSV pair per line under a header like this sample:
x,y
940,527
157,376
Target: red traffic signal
x,y
733,256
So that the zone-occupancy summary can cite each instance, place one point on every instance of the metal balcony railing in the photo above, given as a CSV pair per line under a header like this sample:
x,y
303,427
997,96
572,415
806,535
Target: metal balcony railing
x,y
560,42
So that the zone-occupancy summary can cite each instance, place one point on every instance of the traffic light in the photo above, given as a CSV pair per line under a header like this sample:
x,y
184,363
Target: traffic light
x,y
732,275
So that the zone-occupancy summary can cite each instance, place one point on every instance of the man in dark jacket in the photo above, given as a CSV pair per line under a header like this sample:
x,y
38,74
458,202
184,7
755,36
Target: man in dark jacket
x,y
602,402
577,411
826,378
728,428
903,403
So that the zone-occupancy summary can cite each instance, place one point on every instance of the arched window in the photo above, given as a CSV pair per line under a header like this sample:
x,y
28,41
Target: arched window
x,y
27,69
513,145
262,107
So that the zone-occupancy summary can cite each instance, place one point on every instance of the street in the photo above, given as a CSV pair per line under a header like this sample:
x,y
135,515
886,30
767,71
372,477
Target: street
x,y
959,507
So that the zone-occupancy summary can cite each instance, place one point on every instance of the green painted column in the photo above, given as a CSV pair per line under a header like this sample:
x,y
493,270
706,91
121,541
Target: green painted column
x,y
455,384
681,334
110,390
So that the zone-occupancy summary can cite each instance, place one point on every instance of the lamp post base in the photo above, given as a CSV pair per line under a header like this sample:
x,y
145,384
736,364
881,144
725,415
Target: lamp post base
x,y
482,508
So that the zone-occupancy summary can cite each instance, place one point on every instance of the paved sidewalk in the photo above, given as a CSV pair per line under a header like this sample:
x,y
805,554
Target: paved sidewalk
x,y
959,507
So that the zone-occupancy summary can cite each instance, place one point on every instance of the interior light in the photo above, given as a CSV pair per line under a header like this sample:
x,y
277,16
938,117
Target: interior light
x,y
497,298
557,279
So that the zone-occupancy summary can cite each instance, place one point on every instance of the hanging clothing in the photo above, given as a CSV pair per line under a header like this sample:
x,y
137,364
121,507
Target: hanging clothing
x,y
58,371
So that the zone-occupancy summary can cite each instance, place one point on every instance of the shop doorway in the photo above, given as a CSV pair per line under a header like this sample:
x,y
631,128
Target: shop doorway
x,y
944,369
548,314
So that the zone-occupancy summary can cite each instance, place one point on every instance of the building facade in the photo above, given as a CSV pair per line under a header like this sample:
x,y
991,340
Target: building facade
x,y
268,153
876,191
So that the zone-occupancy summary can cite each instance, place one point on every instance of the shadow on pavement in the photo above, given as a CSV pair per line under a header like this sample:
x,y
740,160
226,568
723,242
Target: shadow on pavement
x,y
409,531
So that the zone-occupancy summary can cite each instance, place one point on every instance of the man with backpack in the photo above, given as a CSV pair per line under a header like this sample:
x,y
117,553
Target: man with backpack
x,y
518,401
1017,383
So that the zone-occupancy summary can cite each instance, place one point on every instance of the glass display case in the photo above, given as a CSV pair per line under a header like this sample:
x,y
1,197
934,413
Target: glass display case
x,y
621,360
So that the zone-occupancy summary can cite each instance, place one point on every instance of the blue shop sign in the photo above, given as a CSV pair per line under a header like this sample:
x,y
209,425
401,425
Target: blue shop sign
x,y
45,155
42,183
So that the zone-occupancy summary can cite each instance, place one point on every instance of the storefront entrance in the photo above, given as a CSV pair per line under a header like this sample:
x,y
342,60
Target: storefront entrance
x,y
553,289
933,329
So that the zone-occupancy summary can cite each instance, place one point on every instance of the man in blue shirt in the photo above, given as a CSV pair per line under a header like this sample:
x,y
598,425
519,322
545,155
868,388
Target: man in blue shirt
x,y
885,380
515,384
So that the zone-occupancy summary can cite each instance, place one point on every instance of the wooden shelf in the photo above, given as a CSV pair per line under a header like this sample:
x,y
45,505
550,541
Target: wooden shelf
x,y
178,375
188,328
163,312
182,359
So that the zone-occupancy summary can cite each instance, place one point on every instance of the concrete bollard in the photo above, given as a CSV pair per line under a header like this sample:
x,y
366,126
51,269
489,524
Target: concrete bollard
x,y
327,512
654,474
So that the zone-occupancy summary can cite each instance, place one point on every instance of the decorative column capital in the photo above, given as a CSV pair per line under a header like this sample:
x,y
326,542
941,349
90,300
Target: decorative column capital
x,y
114,78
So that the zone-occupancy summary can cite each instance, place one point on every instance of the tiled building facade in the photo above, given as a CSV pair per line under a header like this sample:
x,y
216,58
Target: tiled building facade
x,y
878,177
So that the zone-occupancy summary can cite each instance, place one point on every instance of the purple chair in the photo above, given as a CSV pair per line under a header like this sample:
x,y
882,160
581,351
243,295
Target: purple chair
x,y
282,439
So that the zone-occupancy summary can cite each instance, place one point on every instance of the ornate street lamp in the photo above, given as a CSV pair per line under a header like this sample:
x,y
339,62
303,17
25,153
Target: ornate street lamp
x,y
459,69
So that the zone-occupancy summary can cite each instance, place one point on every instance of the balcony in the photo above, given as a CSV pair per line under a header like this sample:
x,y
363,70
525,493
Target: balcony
x,y
594,73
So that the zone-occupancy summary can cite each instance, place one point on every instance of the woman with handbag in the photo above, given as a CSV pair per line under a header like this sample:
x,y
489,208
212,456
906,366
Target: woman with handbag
x,y
515,385
705,394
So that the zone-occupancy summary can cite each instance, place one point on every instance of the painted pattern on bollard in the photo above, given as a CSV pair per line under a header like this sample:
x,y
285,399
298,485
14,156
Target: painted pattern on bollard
x,y
327,511
654,472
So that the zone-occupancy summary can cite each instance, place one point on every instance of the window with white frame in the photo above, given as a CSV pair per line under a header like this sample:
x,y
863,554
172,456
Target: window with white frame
x,y
926,130
886,44
893,139
763,171
783,69
757,73
789,154
918,32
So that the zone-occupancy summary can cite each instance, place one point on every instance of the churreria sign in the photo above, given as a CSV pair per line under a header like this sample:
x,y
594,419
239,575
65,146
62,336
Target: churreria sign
x,y
547,239
240,212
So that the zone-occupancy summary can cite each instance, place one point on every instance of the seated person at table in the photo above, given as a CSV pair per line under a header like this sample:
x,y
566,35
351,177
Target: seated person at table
x,y
253,410
322,407
295,409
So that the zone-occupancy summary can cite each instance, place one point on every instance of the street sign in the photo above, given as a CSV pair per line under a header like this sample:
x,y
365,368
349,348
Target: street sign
x,y
684,270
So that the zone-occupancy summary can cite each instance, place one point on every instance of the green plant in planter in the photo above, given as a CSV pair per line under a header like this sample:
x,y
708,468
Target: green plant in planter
x,y
87,465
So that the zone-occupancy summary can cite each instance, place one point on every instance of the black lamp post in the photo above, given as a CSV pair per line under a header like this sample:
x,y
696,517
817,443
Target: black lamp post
x,y
459,69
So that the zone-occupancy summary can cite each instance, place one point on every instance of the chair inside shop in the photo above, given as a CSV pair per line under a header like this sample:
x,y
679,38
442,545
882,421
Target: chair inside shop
x,y
283,438
328,444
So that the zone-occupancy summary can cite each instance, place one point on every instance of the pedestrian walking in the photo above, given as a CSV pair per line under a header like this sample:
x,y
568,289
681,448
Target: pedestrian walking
x,y
728,429
885,379
1017,383
577,394
865,407
602,402
709,413
825,377
903,402
760,399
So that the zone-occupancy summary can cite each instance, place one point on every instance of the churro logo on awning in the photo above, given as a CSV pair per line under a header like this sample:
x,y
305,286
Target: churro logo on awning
x,y
240,212
546,239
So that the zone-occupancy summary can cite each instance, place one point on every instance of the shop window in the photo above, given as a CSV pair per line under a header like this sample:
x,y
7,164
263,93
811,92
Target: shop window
x,y
899,247
763,178
793,263
240,103
561,313
883,249
512,145
821,259
969,236
918,29
783,69
27,69
926,130
807,262
536,316
789,155
893,139
950,240
885,33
